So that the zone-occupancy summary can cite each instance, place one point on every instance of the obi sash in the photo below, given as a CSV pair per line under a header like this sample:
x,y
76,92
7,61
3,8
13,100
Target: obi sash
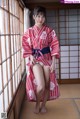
x,y
38,52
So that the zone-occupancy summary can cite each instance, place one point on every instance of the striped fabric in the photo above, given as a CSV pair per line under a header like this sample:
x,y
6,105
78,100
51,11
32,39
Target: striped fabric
x,y
35,38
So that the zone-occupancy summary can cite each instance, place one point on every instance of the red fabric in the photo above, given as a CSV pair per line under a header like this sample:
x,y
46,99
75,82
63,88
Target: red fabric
x,y
39,38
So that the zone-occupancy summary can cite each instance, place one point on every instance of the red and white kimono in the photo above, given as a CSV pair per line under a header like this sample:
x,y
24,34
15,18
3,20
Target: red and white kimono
x,y
35,38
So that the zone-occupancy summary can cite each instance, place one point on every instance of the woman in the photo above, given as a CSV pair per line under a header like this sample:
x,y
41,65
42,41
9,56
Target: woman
x,y
41,47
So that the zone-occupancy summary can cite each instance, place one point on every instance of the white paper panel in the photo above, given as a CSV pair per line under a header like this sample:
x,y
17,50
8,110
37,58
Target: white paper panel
x,y
10,91
62,41
64,54
12,51
14,46
50,13
74,64
65,70
73,18
72,24
73,36
61,12
64,76
61,18
64,48
7,22
4,73
3,48
72,29
6,98
74,75
73,59
74,53
62,30
0,79
72,11
79,72
1,21
8,68
7,46
64,65
50,19
79,64
13,65
62,24
64,59
73,70
1,102
52,25
15,59
73,47
14,80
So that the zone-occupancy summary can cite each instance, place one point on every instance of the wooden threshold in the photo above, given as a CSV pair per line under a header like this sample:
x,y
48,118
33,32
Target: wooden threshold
x,y
69,81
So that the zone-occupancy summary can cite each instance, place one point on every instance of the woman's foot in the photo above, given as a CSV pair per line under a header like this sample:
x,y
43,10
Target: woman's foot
x,y
36,109
43,109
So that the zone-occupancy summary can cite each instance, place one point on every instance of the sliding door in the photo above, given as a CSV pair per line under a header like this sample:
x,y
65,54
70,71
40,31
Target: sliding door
x,y
67,26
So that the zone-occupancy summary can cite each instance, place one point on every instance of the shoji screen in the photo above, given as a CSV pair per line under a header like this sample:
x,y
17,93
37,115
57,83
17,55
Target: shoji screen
x,y
11,63
67,26
69,29
52,21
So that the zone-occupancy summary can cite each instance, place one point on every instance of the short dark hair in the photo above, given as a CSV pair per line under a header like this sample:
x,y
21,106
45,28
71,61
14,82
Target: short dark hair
x,y
39,9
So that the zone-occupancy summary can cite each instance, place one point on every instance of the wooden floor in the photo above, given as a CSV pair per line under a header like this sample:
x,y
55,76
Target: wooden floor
x,y
66,107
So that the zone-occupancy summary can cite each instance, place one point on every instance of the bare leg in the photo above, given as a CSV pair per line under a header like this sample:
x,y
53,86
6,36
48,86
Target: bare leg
x,y
47,83
39,76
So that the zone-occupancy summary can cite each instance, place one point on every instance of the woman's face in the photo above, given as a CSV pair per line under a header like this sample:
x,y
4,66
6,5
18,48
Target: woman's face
x,y
39,19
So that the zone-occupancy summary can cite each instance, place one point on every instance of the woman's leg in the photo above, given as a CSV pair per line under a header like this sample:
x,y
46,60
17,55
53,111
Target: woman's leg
x,y
39,76
47,85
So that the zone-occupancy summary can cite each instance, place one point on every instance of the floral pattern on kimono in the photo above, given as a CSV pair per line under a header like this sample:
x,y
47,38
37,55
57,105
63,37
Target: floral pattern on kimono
x,y
38,39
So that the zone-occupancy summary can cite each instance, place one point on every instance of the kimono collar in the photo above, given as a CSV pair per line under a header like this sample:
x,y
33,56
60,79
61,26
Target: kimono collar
x,y
37,28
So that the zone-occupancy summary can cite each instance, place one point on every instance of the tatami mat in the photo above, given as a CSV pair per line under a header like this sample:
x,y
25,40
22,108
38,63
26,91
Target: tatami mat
x,y
66,107
77,101
70,91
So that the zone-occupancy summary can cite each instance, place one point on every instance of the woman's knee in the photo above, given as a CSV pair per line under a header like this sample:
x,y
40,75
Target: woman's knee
x,y
39,76
40,89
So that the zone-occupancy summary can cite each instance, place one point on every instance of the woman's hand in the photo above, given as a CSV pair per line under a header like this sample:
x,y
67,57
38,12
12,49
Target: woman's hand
x,y
52,67
32,59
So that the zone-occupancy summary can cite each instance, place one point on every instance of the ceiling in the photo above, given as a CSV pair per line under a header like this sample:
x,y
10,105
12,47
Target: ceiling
x,y
32,3
49,4
41,1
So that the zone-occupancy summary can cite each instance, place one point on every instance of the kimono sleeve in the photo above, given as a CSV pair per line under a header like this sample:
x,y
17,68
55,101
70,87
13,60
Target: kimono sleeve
x,y
26,44
54,44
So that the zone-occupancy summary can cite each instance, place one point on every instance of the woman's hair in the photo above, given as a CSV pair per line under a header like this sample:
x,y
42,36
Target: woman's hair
x,y
39,10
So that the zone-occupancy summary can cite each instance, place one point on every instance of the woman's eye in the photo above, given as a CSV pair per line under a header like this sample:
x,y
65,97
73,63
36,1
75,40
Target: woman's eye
x,y
39,16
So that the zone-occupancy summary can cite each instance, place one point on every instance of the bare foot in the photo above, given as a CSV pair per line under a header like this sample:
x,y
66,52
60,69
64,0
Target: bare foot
x,y
43,109
36,109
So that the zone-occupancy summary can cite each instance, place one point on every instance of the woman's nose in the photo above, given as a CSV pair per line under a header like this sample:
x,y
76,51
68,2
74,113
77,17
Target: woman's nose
x,y
41,18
